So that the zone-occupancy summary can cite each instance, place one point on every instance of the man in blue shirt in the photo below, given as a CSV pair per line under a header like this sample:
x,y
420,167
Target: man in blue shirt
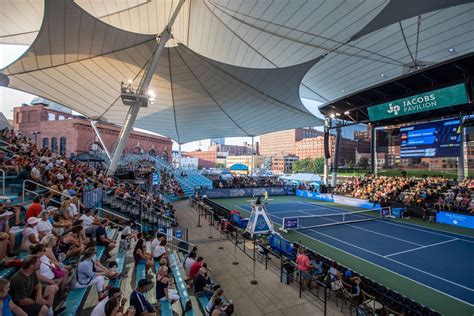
x,y
139,301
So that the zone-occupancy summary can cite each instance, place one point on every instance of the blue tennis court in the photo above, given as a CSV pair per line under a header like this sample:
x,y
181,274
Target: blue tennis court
x,y
440,260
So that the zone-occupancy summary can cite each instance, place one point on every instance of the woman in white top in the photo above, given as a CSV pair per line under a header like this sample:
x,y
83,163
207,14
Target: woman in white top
x,y
30,234
44,227
159,251
47,267
86,276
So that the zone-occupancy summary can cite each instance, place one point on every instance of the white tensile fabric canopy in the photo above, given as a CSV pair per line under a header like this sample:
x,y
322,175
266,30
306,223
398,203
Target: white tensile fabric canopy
x,y
359,43
79,61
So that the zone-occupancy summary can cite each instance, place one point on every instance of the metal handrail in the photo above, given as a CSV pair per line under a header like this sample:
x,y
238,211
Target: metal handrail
x,y
116,215
38,184
3,181
181,240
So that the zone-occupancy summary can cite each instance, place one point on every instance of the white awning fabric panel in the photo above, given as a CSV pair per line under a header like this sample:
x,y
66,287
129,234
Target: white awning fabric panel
x,y
352,44
196,97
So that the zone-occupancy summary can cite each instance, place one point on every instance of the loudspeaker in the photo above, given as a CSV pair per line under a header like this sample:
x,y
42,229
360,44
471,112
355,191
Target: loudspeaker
x,y
327,154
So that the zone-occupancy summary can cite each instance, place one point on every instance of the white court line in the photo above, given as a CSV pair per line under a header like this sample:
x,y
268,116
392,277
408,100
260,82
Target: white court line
x,y
408,226
377,233
401,263
423,247
386,269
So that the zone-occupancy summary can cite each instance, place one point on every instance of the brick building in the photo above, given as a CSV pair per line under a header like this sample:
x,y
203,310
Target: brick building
x,y
314,148
68,133
206,159
283,163
284,142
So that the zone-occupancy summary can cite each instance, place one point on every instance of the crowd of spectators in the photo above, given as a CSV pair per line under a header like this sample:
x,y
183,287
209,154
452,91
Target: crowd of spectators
x,y
142,167
61,235
150,202
240,181
433,192
169,185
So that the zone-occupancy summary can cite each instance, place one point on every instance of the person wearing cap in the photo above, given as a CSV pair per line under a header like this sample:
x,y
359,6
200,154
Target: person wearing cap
x,y
30,234
139,301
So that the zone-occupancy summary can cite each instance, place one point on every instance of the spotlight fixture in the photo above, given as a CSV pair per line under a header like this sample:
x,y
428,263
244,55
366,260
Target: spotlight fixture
x,y
346,113
338,114
382,75
332,115
452,50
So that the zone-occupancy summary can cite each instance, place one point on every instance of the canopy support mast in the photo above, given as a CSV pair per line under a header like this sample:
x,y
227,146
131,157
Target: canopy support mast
x,y
135,108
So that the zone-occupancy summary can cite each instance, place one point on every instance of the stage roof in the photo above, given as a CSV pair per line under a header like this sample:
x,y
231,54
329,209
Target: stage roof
x,y
456,71
352,45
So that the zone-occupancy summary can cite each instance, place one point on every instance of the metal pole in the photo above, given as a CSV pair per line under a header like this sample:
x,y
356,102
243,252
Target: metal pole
x,y
326,160
135,108
251,160
101,141
253,281
461,171
373,154
210,226
336,157
235,250
179,155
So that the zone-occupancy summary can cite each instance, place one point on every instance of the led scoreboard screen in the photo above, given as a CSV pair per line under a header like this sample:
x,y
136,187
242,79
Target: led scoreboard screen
x,y
436,139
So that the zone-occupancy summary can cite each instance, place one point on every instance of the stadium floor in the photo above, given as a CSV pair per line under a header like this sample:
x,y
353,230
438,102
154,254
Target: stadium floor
x,y
428,262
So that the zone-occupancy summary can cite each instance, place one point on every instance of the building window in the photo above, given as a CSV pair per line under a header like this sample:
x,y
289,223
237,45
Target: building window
x,y
54,144
61,117
62,145
45,142
51,117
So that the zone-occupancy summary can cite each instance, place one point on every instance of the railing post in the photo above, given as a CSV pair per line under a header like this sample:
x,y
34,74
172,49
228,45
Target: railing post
x,y
23,194
253,281
235,250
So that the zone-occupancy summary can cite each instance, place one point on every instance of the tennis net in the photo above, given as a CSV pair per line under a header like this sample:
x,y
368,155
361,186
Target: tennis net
x,y
314,221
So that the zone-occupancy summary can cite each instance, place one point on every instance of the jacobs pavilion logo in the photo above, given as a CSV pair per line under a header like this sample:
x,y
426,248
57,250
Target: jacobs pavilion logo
x,y
393,108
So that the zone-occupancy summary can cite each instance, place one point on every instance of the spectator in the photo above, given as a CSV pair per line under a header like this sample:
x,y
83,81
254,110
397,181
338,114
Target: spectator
x,y
160,251
165,290
71,244
27,292
86,275
139,301
200,285
30,234
48,269
7,306
140,256
114,307
195,268
35,208
112,293
304,264
102,240
335,277
7,239
189,261
44,226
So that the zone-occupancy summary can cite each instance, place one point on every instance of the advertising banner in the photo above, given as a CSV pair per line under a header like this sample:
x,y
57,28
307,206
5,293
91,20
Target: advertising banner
x,y
337,199
455,219
243,192
428,101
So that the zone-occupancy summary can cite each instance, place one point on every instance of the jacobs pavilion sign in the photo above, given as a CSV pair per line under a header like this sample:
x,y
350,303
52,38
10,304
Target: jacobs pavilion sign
x,y
428,101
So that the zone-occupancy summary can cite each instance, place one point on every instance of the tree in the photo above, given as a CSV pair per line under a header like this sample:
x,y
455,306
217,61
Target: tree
x,y
364,163
318,165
